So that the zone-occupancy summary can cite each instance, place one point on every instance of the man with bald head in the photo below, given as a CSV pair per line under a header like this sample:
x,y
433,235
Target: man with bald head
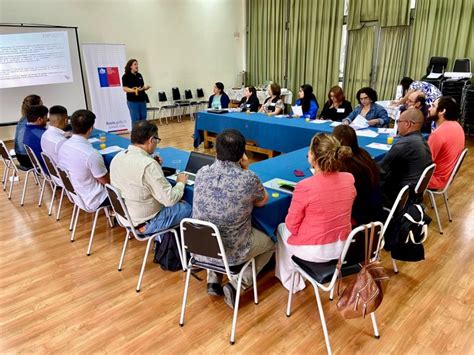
x,y
54,137
405,161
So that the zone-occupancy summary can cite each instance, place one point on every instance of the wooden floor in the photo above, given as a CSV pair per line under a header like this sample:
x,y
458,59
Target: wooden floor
x,y
56,299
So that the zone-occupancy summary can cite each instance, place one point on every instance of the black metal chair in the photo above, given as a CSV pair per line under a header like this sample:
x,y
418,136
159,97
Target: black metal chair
x,y
319,274
163,105
444,192
15,169
124,220
202,238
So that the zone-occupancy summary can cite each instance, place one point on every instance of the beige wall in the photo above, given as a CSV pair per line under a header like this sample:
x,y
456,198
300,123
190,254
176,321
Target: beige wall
x,y
184,43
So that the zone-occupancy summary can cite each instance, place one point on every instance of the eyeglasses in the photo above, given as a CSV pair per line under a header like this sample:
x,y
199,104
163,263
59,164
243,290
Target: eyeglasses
x,y
157,139
364,98
406,121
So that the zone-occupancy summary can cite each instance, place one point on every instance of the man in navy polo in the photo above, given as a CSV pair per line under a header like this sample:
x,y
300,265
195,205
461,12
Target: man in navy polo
x,y
37,117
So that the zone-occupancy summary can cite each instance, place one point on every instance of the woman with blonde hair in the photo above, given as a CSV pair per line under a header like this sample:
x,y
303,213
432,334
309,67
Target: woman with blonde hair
x,y
319,218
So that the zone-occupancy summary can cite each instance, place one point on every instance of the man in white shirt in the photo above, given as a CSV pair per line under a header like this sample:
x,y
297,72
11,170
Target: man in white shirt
x,y
152,202
84,163
54,137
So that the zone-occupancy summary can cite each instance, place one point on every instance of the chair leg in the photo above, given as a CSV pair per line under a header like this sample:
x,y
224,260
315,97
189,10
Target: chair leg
x,y
76,217
254,276
180,250
24,187
71,224
140,278
42,188
290,294
122,257
374,324
394,265
433,202
236,308
323,319
53,195
11,185
96,215
331,293
445,196
185,296
109,217
60,204
5,175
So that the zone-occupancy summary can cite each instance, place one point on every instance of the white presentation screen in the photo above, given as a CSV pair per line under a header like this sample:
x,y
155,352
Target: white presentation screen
x,y
42,61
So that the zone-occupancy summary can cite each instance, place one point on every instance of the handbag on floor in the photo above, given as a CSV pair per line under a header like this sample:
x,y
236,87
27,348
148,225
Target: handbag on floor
x,y
364,294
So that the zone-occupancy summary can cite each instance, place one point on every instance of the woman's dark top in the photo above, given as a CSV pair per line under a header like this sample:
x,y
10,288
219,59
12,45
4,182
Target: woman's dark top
x,y
368,205
252,101
336,114
131,81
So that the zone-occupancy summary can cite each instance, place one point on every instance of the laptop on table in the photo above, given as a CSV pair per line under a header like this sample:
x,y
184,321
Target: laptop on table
x,y
196,161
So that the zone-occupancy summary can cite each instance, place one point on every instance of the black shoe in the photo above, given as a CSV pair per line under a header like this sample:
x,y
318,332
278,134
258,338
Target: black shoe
x,y
214,289
229,295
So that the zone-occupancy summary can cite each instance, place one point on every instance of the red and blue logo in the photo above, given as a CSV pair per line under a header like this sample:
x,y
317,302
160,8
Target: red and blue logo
x,y
108,76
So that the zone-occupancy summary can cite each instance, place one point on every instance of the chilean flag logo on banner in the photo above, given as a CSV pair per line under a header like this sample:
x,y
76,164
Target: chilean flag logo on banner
x,y
108,76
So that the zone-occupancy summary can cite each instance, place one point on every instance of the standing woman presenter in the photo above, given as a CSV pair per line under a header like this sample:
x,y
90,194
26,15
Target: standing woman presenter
x,y
134,86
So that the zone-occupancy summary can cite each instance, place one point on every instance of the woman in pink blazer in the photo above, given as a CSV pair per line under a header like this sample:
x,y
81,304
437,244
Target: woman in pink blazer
x,y
319,219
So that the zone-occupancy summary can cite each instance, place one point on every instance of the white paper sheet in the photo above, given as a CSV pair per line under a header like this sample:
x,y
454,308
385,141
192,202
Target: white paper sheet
x,y
434,75
380,146
93,140
335,124
320,121
359,123
111,149
297,110
387,131
366,133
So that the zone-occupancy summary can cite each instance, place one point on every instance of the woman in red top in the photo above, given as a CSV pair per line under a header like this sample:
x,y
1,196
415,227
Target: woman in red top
x,y
319,218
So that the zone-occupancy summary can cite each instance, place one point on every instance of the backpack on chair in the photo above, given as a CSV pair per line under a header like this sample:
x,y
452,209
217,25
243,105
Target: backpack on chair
x,y
406,233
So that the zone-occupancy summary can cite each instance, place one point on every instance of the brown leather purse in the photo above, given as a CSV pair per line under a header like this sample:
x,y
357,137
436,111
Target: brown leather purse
x,y
364,294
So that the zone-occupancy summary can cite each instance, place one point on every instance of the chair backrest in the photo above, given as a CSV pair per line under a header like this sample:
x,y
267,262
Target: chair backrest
x,y
176,94
200,93
202,238
64,176
424,180
162,96
353,252
188,95
52,168
437,65
4,152
398,205
120,209
462,65
35,162
457,166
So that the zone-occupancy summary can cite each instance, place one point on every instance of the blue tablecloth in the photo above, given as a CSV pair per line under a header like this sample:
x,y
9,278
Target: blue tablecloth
x,y
278,134
268,217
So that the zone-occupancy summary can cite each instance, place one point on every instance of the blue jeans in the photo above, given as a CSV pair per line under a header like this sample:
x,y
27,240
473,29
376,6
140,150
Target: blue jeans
x,y
168,217
137,111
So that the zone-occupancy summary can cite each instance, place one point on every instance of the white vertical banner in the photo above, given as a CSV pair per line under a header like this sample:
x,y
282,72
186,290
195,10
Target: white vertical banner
x,y
104,68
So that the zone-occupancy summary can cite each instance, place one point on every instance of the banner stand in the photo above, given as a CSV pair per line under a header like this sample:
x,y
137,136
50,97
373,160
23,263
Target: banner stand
x,y
104,64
